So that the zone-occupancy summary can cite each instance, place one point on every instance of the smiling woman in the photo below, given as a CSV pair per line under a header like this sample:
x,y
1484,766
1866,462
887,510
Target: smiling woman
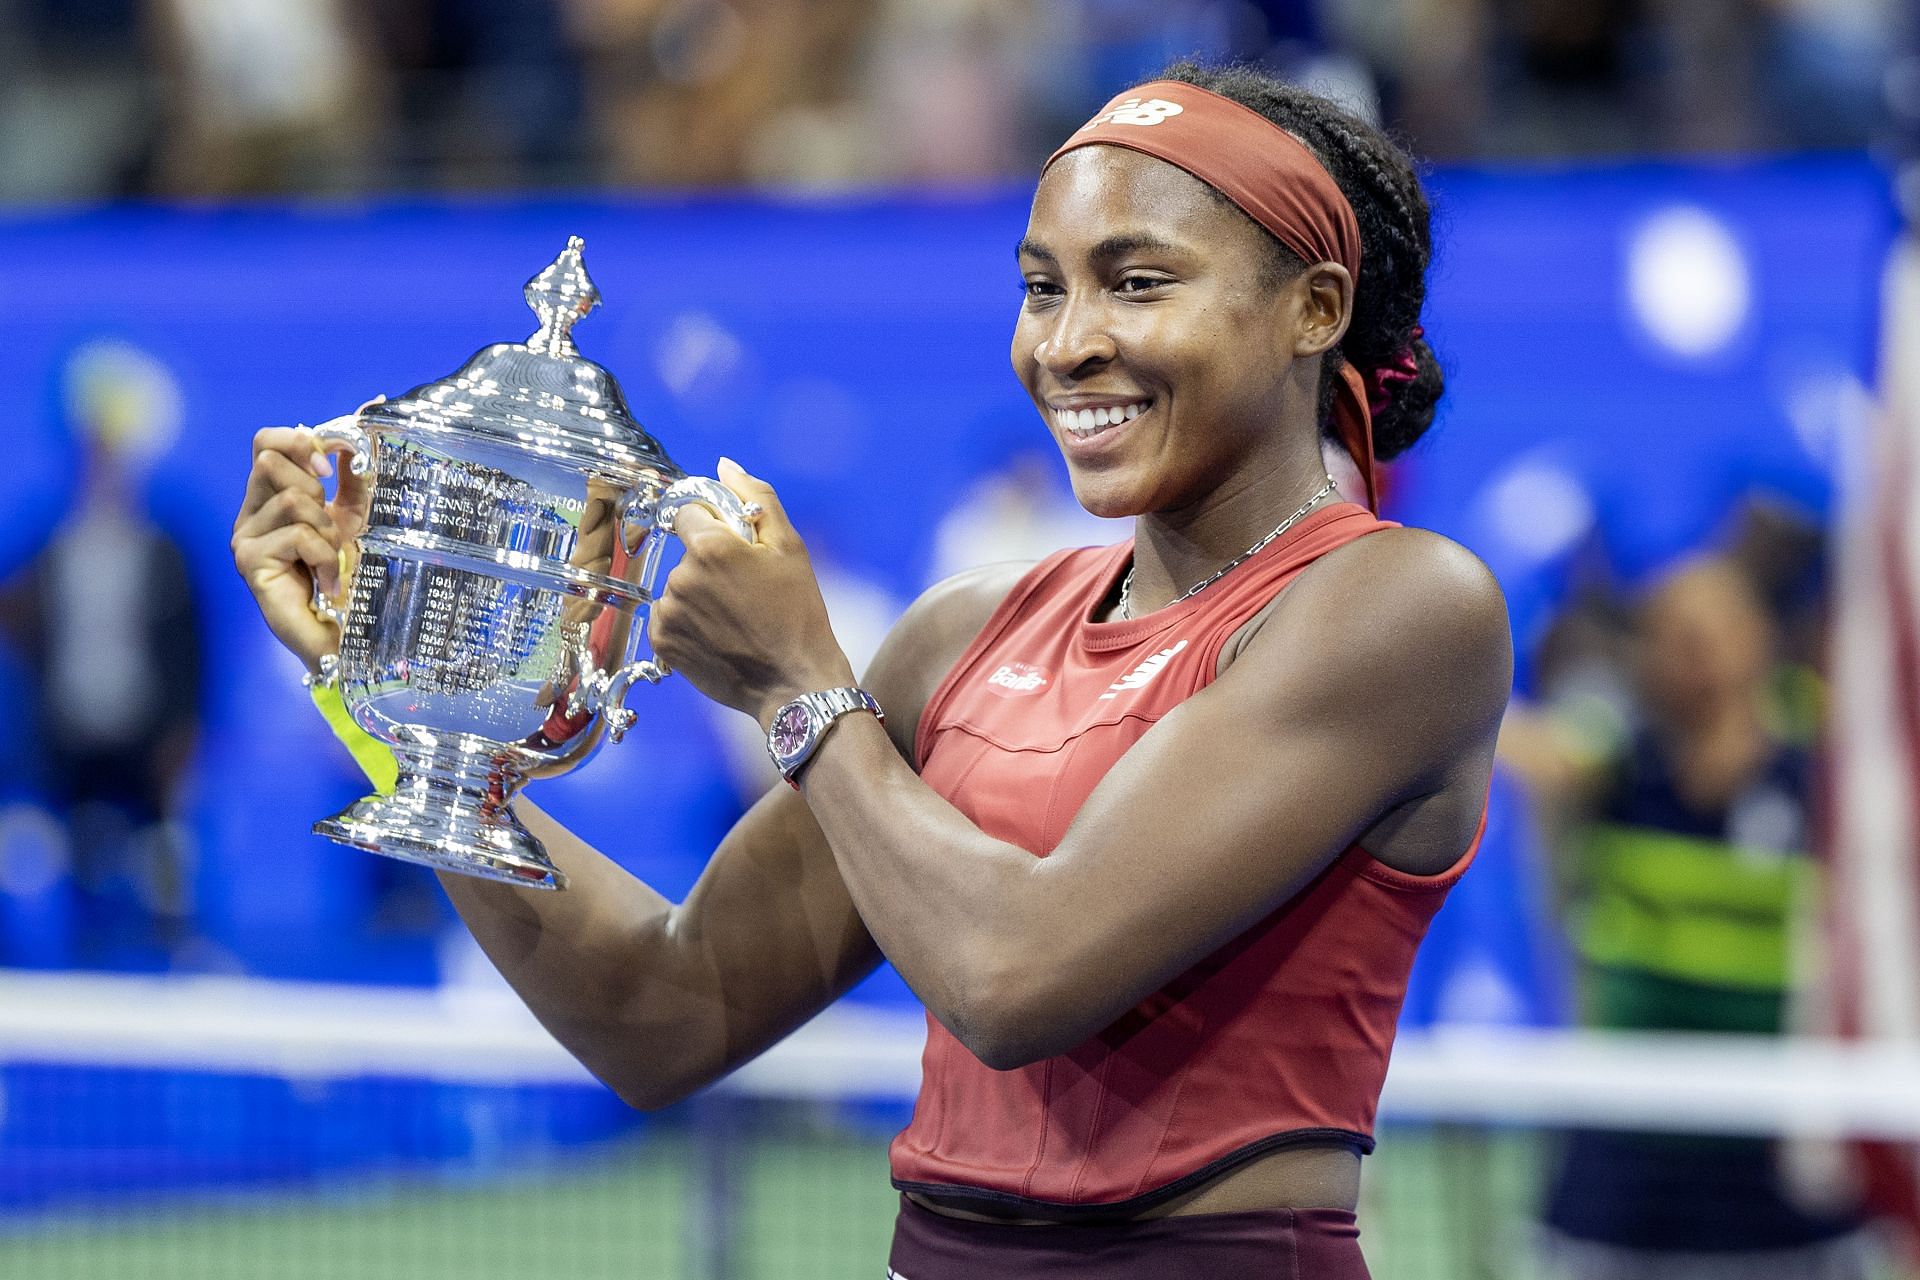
x,y
1153,830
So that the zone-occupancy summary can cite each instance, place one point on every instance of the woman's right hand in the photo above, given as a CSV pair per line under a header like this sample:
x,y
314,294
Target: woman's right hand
x,y
288,536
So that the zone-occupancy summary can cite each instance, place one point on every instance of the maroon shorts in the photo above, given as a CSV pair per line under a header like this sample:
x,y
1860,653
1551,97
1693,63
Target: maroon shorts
x,y
1286,1244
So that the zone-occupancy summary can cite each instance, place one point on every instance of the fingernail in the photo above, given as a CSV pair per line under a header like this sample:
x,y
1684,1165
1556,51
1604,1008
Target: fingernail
x,y
728,464
320,465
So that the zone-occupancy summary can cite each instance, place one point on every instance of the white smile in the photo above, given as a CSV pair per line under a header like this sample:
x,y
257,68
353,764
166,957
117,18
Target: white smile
x,y
1083,424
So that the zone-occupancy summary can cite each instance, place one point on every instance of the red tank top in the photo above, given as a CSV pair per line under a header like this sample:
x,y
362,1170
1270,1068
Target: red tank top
x,y
1280,1037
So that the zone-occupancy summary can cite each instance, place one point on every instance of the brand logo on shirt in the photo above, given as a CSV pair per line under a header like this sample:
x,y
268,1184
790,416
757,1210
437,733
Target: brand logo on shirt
x,y
1134,111
1018,679
1141,676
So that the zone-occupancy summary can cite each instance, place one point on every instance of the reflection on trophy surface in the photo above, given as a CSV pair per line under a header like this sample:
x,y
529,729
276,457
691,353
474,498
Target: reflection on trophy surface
x,y
513,543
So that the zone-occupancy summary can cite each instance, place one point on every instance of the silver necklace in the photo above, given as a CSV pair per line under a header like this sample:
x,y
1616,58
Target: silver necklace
x,y
1126,583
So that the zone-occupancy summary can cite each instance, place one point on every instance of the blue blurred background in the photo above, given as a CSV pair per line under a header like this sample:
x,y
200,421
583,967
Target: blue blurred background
x,y
853,351
1662,233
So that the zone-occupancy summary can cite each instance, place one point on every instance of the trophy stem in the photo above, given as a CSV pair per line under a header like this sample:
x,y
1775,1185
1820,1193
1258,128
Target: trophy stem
x,y
449,810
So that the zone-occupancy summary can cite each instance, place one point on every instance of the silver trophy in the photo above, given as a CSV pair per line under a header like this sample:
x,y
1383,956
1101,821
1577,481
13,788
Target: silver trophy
x,y
512,548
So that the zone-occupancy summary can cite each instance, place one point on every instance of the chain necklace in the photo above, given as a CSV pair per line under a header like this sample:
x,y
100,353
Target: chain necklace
x,y
1126,583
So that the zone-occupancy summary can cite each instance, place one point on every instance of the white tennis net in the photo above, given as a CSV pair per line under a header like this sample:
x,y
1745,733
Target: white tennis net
x,y
218,1126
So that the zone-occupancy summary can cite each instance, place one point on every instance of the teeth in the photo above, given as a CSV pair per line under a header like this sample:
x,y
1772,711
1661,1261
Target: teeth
x,y
1086,422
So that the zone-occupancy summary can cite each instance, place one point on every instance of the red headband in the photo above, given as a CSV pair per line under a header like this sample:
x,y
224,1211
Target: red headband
x,y
1268,173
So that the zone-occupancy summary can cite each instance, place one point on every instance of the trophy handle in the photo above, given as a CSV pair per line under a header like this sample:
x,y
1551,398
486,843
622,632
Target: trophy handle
x,y
692,490
342,433
711,494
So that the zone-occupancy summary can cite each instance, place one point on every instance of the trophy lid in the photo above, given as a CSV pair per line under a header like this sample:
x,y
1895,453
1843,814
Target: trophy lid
x,y
541,395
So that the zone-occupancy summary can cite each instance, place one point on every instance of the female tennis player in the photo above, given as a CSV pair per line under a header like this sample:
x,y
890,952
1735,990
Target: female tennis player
x,y
1153,830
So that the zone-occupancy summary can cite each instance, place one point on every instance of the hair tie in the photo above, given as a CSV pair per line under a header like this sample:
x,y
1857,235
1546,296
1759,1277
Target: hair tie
x,y
1402,368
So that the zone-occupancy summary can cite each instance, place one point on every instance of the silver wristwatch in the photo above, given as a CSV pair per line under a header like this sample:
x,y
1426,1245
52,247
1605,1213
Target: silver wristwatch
x,y
799,726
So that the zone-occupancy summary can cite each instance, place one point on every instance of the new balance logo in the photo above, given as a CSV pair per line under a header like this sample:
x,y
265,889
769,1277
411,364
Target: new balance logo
x,y
1134,111
1141,676
1017,679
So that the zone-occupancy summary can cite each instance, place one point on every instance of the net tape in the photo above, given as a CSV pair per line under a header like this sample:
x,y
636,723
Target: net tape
x,y
1680,1083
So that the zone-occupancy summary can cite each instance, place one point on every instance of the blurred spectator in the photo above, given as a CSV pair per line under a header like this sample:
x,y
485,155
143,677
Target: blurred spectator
x,y
1903,116
486,93
1680,776
104,617
1742,75
691,92
1523,77
954,92
263,96
77,102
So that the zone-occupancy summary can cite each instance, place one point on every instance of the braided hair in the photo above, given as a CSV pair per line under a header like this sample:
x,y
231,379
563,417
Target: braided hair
x,y
1379,181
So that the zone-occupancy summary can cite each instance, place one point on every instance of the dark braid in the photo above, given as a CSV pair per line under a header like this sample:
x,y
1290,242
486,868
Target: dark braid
x,y
1379,181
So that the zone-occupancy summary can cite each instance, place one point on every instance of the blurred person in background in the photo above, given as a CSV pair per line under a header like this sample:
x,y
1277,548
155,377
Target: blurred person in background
x,y
958,92
482,93
1522,77
106,621
79,103
263,96
1747,75
707,92
1671,753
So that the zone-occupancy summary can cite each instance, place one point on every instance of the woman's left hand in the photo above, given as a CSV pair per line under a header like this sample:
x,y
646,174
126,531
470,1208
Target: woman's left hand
x,y
744,622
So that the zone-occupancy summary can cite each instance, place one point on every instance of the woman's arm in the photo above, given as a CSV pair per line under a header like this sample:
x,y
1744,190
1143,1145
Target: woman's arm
x,y
1376,684
659,1000
656,999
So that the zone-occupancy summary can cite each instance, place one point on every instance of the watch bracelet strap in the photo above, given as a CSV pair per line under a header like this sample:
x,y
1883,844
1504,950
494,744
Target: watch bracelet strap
x,y
375,758
833,703
849,698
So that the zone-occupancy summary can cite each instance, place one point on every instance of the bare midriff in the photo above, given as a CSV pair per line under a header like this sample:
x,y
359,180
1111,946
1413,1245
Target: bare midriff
x,y
1311,1177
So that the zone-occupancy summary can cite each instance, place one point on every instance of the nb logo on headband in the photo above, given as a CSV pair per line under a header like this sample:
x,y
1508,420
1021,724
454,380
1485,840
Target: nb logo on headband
x,y
1134,111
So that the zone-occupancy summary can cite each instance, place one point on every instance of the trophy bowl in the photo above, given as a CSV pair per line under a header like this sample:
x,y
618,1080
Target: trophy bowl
x,y
513,542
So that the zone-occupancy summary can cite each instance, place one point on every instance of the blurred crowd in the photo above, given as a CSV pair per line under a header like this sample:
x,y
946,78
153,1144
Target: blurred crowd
x,y
102,98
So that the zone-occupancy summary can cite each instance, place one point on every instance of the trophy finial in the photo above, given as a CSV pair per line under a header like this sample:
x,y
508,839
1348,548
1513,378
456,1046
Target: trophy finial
x,y
560,296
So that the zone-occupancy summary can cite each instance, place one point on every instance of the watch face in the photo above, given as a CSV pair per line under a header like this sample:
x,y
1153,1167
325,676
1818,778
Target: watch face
x,y
790,726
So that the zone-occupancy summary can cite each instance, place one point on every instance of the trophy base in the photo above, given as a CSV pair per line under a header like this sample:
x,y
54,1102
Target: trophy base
x,y
450,815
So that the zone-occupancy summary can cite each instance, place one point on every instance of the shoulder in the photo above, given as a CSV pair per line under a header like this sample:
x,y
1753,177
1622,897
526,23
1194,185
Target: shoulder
x,y
1403,591
930,637
1404,621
